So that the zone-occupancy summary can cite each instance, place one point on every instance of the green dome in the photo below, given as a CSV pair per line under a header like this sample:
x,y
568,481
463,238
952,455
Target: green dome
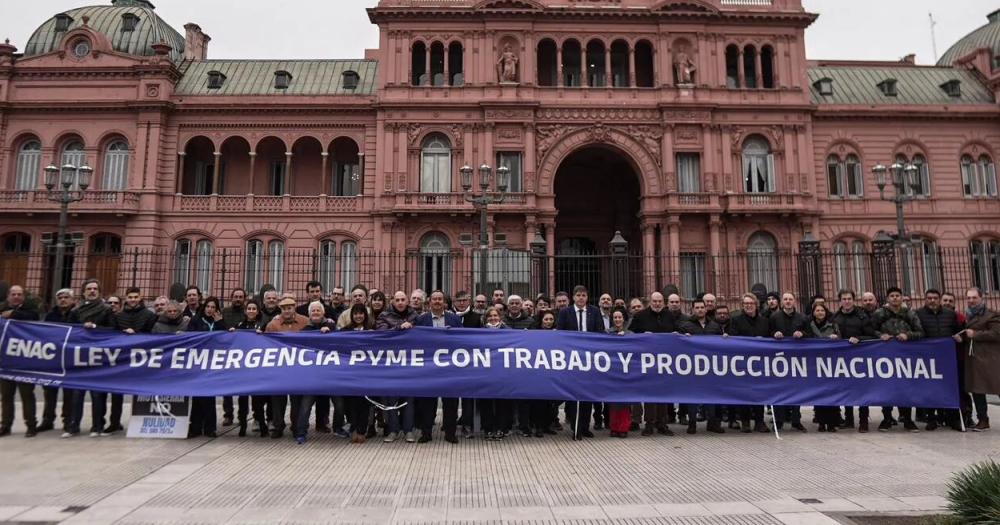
x,y
987,36
110,20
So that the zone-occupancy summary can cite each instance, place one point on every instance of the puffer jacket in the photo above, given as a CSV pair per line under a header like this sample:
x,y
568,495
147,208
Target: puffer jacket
x,y
786,323
940,323
903,321
140,319
523,322
392,318
166,325
856,323
814,330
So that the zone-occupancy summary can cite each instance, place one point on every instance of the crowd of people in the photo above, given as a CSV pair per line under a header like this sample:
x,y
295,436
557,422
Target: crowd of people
x,y
975,331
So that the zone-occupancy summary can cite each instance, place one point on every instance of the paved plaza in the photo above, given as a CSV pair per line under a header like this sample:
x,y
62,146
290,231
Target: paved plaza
x,y
702,479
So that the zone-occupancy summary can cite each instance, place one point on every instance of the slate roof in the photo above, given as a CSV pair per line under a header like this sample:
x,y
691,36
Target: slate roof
x,y
987,36
858,85
107,19
256,77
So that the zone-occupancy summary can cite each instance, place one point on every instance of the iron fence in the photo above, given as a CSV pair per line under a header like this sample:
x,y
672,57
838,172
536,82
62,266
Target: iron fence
x,y
805,271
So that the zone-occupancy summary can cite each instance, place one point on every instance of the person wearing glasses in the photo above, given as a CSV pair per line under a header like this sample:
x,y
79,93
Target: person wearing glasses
x,y
750,323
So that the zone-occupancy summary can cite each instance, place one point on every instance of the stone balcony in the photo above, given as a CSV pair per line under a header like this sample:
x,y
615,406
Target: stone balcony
x,y
265,203
94,201
755,203
455,202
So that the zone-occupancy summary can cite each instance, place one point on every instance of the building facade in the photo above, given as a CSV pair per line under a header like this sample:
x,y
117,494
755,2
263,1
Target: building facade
x,y
698,129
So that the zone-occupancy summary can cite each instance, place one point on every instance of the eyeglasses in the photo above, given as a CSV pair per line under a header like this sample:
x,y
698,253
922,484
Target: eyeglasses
x,y
114,302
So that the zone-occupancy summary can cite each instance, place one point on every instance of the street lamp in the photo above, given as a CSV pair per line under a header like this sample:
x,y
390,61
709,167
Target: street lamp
x,y
903,176
481,202
59,184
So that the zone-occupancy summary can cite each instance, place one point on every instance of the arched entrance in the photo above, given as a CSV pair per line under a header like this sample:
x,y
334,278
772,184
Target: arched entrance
x,y
597,192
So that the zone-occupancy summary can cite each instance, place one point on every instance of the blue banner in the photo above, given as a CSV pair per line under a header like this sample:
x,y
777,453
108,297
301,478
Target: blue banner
x,y
515,364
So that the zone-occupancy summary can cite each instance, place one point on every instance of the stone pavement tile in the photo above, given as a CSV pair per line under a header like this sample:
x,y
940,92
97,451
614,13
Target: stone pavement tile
x,y
775,506
729,508
411,514
473,513
630,511
881,504
925,502
99,515
805,518
309,515
9,511
682,509
581,512
262,515
173,472
526,513
835,505
133,495
43,514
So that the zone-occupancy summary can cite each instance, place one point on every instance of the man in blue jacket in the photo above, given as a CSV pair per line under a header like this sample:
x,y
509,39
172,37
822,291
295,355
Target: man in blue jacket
x,y
438,317
580,317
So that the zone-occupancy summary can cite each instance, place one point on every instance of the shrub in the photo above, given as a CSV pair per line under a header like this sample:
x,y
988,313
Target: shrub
x,y
974,494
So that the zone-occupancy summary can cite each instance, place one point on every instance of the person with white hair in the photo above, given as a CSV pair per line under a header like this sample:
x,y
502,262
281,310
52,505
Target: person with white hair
x,y
516,318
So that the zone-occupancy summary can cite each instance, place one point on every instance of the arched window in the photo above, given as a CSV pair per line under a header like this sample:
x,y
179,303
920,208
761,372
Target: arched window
x,y
923,265
845,176
644,64
116,166
435,164
547,63
767,67
750,67
261,265
253,266
29,165
758,166
923,186
456,69
762,261
330,274
986,264
979,178
327,264
435,267
348,264
15,248
193,263
437,64
203,266
732,66
276,263
850,266
571,64
418,64
596,64
73,155
619,64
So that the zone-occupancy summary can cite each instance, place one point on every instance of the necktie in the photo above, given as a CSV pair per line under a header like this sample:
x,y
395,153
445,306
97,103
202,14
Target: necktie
x,y
580,325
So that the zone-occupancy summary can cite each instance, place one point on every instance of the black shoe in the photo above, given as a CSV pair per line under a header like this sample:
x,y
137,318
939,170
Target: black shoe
x,y
31,432
910,426
587,434
243,429
577,438
664,430
262,429
761,427
450,437
885,425
424,438
863,426
323,429
526,432
227,421
648,431
799,427
191,434
633,427
211,434
277,433
832,429
822,428
549,431
931,426
716,428
539,434
692,428
112,429
683,420
45,426
598,426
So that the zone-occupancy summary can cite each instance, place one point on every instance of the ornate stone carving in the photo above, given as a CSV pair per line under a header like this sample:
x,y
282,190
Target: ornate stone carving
x,y
687,115
546,137
508,114
687,135
509,134
412,132
507,65
650,136
593,114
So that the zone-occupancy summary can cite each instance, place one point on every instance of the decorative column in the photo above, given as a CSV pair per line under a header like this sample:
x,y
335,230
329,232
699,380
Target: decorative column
x,y
325,158
607,67
550,253
674,223
215,172
714,250
288,173
447,77
649,258
528,169
759,84
631,66
253,172
427,65
584,78
559,66
742,70
179,183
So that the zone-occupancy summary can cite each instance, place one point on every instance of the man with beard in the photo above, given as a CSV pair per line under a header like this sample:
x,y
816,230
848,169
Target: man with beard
x,y
896,321
270,310
91,312
417,299
134,318
855,326
233,314
15,308
938,322
655,319
700,324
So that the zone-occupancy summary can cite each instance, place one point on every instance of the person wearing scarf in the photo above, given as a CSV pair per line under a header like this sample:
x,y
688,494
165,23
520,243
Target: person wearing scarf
x,y
981,347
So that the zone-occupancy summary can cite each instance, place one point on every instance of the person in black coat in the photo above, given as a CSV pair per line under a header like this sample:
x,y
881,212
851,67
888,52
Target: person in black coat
x,y
580,317
252,320
700,324
15,308
750,323
203,412
65,301
937,322
788,322
855,326
92,312
657,319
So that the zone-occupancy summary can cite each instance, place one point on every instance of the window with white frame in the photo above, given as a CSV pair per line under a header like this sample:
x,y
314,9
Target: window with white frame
x,y
338,268
115,166
253,266
923,265
688,172
923,186
348,264
193,263
850,266
844,176
435,261
692,274
182,261
29,165
264,264
276,264
758,166
979,177
762,261
346,179
985,255
512,159
203,266
74,155
435,164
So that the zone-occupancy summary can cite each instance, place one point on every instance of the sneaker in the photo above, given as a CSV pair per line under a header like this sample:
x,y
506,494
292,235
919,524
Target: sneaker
x,y
341,433
95,434
931,426
648,431
391,438
885,425
910,426
411,437
67,435
301,440
982,426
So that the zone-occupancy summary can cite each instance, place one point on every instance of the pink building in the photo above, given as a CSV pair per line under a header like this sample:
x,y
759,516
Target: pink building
x,y
696,128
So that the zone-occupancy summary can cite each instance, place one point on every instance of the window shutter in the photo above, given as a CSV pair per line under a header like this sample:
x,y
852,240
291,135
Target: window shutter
x,y
770,173
991,179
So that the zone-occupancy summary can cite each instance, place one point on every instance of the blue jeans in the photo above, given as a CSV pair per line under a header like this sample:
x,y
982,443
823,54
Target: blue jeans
x,y
392,416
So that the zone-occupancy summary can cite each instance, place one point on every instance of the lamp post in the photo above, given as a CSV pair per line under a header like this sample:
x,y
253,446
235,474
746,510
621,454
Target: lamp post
x,y
903,176
481,203
59,183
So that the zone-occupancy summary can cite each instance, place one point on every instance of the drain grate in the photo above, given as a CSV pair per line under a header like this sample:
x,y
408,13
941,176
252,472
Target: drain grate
x,y
75,509
810,501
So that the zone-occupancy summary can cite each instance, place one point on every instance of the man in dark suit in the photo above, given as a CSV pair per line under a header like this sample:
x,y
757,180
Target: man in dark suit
x,y
580,317
438,317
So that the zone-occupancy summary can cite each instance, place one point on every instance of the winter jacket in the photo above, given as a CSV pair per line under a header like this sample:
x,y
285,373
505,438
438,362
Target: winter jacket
x,y
745,326
139,319
200,324
693,327
57,316
886,321
22,312
96,311
232,315
856,323
266,315
814,330
787,324
391,319
940,323
523,322
650,321
166,325
319,326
